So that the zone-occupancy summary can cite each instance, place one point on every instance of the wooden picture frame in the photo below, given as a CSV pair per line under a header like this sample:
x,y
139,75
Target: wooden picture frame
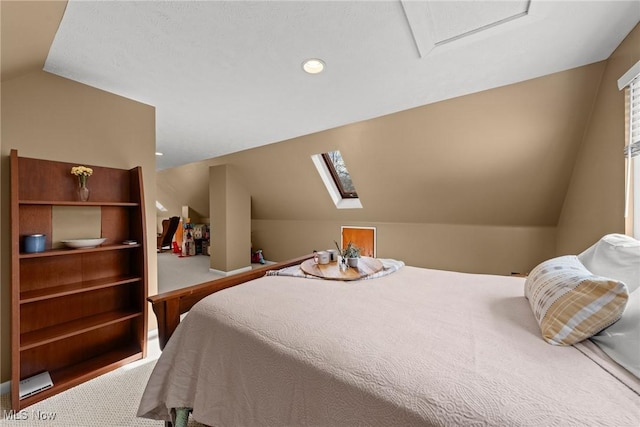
x,y
363,237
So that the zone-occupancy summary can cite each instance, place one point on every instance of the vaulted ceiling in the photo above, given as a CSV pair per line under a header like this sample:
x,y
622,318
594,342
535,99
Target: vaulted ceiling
x,y
473,119
226,75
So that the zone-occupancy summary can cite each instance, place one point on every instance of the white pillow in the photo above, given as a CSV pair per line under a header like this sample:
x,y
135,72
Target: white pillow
x,y
616,256
621,341
569,303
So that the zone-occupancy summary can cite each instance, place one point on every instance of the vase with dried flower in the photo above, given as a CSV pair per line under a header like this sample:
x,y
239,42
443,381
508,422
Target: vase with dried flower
x,y
350,255
83,173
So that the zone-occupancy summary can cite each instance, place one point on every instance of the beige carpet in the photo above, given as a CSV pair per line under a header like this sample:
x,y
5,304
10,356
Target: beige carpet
x,y
175,272
110,400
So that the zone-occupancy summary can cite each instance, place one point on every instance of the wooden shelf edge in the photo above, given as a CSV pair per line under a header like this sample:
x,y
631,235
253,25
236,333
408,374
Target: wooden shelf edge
x,y
73,203
65,378
70,251
59,332
73,288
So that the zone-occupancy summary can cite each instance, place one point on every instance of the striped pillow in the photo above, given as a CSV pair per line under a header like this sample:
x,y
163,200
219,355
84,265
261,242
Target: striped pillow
x,y
571,304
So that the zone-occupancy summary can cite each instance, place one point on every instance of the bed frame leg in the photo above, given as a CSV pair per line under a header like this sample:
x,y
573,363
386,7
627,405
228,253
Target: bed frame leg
x,y
179,417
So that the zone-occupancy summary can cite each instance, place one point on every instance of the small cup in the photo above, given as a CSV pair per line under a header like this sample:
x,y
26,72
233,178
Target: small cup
x,y
323,257
333,255
34,243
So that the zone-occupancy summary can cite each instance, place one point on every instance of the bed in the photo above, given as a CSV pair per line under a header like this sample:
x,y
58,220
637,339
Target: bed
x,y
412,346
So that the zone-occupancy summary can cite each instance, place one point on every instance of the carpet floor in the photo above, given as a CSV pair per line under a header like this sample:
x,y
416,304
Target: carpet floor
x,y
175,272
110,400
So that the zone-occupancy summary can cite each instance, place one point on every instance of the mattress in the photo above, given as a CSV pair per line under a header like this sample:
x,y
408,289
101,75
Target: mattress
x,y
416,347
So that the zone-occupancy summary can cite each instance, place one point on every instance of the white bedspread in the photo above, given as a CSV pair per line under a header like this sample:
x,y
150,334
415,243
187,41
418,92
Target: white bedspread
x,y
416,347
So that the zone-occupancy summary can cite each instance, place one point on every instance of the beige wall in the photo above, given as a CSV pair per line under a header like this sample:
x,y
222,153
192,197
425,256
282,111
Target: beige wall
x,y
594,204
230,219
468,248
176,190
238,222
48,117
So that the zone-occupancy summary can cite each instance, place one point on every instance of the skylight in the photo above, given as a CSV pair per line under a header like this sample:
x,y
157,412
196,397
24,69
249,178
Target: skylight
x,y
340,174
335,175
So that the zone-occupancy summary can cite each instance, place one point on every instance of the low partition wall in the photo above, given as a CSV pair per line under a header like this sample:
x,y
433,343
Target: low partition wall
x,y
467,248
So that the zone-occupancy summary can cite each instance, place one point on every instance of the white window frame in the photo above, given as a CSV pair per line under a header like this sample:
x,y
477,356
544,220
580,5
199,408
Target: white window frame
x,y
332,188
630,81
635,229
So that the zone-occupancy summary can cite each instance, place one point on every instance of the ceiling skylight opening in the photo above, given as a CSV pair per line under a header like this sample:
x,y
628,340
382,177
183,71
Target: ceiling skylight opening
x,y
340,174
159,153
313,66
160,207
337,179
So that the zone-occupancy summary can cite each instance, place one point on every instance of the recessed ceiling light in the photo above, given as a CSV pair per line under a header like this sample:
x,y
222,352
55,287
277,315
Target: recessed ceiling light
x,y
159,153
313,66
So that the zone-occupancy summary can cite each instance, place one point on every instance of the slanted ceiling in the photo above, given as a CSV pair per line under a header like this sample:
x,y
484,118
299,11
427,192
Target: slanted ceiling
x,y
500,157
226,76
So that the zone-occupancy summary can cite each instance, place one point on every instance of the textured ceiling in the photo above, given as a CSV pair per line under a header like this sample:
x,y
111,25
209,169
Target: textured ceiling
x,y
226,76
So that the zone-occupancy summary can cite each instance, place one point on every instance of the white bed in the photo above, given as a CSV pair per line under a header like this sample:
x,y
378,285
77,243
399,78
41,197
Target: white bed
x,y
415,347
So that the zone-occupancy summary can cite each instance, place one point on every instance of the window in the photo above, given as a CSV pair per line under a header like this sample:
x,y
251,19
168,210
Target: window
x,y
340,174
631,81
336,178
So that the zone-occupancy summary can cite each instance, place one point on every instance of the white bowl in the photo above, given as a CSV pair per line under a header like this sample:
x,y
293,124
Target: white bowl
x,y
84,243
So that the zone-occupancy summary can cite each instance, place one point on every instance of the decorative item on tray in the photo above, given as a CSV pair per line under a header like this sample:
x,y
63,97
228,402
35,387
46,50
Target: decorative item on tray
x,y
351,254
83,173
321,257
333,255
84,243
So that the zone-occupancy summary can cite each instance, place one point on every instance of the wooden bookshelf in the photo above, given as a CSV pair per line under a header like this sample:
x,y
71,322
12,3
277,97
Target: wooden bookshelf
x,y
76,313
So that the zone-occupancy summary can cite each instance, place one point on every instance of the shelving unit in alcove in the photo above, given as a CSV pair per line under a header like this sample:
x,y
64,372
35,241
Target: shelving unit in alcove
x,y
75,313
